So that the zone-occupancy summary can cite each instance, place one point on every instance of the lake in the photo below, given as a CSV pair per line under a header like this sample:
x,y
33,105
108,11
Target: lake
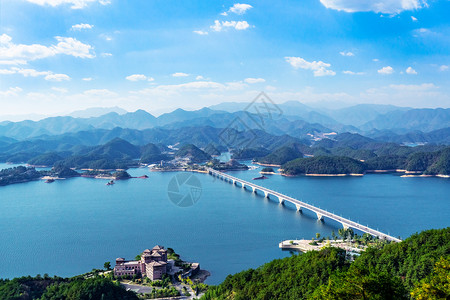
x,y
71,226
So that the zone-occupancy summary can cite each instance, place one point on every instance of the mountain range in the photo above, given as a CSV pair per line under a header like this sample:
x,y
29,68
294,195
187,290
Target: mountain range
x,y
296,119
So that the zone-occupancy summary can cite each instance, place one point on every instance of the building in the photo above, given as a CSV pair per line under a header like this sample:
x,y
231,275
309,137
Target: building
x,y
153,264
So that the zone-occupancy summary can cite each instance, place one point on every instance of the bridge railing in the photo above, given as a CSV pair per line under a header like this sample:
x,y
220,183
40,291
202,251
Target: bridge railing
x,y
345,222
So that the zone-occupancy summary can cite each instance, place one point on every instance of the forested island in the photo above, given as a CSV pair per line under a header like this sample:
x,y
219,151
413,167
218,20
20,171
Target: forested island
x,y
426,163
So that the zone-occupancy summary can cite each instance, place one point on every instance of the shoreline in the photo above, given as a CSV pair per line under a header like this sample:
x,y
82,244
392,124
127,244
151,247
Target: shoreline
x,y
266,165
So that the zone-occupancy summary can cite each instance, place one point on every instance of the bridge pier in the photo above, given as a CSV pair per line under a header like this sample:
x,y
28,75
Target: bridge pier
x,y
300,205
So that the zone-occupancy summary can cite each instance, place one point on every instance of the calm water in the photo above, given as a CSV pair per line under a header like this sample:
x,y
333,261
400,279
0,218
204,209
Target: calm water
x,y
71,226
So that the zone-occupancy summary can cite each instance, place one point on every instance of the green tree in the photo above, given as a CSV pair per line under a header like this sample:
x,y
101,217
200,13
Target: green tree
x,y
437,284
318,235
359,283
107,265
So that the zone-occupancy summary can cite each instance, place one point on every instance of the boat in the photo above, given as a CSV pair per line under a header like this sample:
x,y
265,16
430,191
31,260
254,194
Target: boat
x,y
50,180
260,177
110,182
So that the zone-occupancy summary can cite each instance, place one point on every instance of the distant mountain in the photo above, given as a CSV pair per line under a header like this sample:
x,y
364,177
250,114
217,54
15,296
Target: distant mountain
x,y
288,110
139,119
440,136
181,115
423,119
360,114
96,112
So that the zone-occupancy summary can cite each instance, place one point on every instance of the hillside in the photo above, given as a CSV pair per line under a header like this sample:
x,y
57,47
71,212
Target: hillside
x,y
392,272
280,156
323,165
425,119
193,153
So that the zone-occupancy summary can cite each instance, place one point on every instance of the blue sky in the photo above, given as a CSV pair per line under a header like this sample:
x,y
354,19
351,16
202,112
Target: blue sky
x,y
57,56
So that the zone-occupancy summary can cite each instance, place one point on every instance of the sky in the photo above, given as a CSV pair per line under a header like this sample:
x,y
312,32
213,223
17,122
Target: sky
x,y
57,56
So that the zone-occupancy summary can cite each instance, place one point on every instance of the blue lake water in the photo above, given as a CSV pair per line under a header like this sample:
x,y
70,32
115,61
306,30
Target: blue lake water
x,y
71,226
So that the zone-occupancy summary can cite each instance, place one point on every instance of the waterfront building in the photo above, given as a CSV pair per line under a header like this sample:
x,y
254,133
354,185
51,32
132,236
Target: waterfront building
x,y
153,264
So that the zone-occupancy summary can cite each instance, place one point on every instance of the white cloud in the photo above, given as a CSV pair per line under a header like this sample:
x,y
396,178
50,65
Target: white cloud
x,y
254,80
411,71
386,70
180,74
319,67
106,54
239,8
413,87
377,6
375,59
49,75
76,4
414,19
7,71
57,77
200,32
443,68
20,52
82,26
60,90
106,37
150,79
224,14
13,62
87,79
12,91
199,77
136,77
238,25
100,93
353,73
176,90
25,72
343,53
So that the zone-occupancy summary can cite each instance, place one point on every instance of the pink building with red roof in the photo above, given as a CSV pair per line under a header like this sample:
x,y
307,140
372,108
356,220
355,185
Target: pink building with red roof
x,y
153,264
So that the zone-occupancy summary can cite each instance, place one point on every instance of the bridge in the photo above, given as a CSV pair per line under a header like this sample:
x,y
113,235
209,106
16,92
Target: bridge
x,y
300,205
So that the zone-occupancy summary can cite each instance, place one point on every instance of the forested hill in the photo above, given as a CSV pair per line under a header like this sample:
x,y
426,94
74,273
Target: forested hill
x,y
417,268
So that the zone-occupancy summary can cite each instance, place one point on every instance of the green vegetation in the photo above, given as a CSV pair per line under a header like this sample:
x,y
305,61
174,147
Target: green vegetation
x,y
151,154
18,175
55,288
250,153
268,170
232,164
46,159
435,285
280,156
121,175
162,293
212,150
428,163
417,267
193,152
323,165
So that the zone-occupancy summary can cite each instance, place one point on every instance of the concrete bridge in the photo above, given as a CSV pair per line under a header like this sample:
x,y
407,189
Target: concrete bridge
x,y
321,214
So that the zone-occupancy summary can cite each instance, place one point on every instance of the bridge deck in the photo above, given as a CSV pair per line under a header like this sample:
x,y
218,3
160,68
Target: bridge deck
x,y
320,212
